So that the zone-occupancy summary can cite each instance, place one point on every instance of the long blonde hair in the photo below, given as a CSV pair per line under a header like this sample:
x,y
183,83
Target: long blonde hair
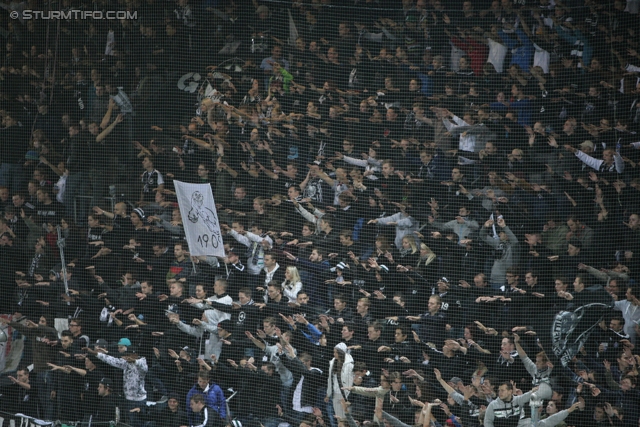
x,y
412,243
295,277
430,257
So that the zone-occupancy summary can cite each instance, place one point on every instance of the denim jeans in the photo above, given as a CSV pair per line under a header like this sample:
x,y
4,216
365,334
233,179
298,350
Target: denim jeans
x,y
44,382
77,185
134,419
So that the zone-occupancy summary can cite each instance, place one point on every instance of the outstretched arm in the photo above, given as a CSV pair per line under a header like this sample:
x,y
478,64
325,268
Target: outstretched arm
x,y
109,128
443,383
51,166
268,172
323,176
107,116
519,349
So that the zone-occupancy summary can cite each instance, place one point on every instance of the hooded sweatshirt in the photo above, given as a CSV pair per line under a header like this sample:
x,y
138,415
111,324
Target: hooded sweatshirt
x,y
211,325
507,414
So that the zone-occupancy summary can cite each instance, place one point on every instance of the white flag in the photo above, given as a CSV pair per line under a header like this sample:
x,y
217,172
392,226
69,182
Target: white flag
x,y
293,31
201,226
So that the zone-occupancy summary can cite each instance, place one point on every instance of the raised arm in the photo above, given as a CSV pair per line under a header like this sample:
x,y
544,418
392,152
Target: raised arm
x,y
109,128
51,166
257,342
305,213
113,361
519,349
323,176
442,382
200,142
240,238
426,413
107,116
268,172
393,420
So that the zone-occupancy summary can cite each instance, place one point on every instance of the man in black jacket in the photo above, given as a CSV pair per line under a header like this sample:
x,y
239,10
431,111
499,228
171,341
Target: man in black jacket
x,y
276,303
21,396
272,272
13,145
171,415
311,378
372,357
265,383
313,273
233,270
340,312
403,349
202,415
233,349
244,316
107,403
159,264
148,305
78,164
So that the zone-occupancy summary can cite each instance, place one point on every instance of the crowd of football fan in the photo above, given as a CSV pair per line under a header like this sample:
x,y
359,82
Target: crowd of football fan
x,y
409,192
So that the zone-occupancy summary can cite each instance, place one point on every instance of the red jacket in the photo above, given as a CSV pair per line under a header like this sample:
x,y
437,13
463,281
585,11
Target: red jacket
x,y
477,52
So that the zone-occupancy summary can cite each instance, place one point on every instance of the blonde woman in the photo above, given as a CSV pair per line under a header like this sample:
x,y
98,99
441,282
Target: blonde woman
x,y
292,284
427,265
409,253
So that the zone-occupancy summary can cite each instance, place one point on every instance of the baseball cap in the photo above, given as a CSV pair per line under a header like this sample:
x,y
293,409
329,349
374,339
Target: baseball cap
x,y
101,343
456,380
225,325
125,342
190,351
106,382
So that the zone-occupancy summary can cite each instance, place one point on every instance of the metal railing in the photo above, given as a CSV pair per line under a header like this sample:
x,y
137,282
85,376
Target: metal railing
x,y
21,420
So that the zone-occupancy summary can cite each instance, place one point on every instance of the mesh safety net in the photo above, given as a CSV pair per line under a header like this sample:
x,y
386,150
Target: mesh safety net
x,y
319,212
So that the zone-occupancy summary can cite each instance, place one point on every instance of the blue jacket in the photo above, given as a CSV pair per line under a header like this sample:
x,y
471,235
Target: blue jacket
x,y
214,397
313,279
522,49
